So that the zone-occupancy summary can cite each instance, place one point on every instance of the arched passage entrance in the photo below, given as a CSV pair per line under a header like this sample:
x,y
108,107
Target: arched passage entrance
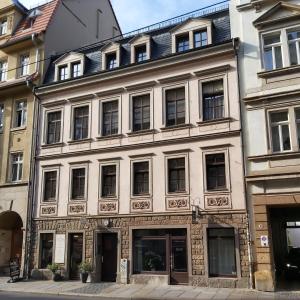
x,y
11,239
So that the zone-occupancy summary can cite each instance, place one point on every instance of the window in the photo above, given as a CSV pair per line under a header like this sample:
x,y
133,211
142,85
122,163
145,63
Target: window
x,y
111,61
221,252
1,117
175,103
50,181
53,127
213,100
76,69
294,47
280,131
3,26
110,121
21,113
24,64
272,51
140,53
109,180
16,167
182,43
3,70
141,112
63,72
176,175
140,178
81,123
78,184
297,116
215,171
46,252
200,38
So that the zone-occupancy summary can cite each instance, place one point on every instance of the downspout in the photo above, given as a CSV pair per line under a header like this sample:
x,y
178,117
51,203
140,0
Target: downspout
x,y
236,44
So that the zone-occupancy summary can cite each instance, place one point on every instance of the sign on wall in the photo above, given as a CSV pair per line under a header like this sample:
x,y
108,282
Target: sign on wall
x,y
60,245
264,241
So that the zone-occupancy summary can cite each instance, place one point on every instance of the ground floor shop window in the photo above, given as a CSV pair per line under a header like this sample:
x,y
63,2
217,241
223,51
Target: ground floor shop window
x,y
221,252
46,249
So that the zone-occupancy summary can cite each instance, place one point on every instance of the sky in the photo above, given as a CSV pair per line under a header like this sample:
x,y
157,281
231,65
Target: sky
x,y
134,14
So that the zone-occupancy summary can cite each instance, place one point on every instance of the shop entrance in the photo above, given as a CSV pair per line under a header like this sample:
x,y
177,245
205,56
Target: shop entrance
x,y
285,224
76,251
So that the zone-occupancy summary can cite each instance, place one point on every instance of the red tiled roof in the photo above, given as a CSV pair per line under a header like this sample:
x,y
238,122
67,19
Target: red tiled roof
x,y
40,24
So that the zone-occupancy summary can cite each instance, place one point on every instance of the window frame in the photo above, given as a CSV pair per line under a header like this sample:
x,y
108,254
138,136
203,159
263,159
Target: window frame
x,y
79,73
46,169
20,162
2,116
100,192
200,30
150,183
115,65
23,66
85,197
297,121
3,70
3,26
40,248
24,114
46,113
72,123
188,41
296,41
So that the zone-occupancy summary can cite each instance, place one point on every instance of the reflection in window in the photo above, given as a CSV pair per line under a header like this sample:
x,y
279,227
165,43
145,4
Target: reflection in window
x,y
280,131
50,186
81,123
110,115
297,116
109,181
78,184
111,61
3,26
272,52
46,252
21,113
140,53
141,112
16,167
175,106
76,69
24,64
176,175
215,171
1,117
294,47
63,72
182,43
141,178
53,127
3,70
200,38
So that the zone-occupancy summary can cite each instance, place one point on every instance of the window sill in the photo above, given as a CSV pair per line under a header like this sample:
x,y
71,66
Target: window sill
x,y
177,194
72,142
16,183
141,132
279,72
276,155
50,202
109,137
18,128
108,199
71,201
213,192
176,127
141,196
214,121
45,146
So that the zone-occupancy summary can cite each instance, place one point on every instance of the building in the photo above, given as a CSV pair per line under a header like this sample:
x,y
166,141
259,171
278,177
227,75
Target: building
x,y
27,39
140,158
270,88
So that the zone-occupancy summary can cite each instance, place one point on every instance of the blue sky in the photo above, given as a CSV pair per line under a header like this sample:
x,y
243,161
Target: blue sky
x,y
133,14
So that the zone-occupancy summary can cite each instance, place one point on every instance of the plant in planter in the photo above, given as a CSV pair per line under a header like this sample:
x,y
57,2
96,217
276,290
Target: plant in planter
x,y
55,269
85,269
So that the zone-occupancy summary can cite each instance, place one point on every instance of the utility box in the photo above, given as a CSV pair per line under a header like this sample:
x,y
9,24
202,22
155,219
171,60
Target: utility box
x,y
124,271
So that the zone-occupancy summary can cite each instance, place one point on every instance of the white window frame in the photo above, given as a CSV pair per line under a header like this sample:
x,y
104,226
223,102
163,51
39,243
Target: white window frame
x,y
2,114
24,64
46,169
45,130
132,162
72,64
225,151
111,48
187,172
3,70
296,41
100,125
109,163
24,112
18,163
66,73
3,26
73,167
72,120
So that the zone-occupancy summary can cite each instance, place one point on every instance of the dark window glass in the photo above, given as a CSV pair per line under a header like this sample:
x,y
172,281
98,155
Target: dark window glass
x,y
21,113
111,61
54,127
81,122
46,240
63,73
140,53
182,43
215,171
109,181
110,119
78,184
141,112
221,252
175,102
200,38
213,100
176,175
297,114
141,178
50,186
76,69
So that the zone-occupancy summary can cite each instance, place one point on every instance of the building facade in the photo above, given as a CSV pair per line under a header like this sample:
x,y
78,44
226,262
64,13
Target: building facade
x,y
27,39
270,88
140,158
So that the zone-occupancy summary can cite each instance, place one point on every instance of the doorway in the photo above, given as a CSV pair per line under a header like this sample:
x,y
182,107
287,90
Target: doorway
x,y
76,251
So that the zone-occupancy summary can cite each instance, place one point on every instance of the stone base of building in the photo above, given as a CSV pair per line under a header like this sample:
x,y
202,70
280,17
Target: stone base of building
x,y
178,232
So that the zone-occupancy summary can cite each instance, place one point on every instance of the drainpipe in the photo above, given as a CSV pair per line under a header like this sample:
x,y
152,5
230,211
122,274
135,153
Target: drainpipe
x,y
236,46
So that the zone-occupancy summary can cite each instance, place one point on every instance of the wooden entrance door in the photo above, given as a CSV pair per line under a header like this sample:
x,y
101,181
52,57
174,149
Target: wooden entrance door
x,y
109,249
178,260
76,249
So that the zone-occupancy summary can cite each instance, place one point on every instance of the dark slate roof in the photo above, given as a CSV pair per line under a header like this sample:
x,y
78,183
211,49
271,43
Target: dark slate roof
x,y
160,45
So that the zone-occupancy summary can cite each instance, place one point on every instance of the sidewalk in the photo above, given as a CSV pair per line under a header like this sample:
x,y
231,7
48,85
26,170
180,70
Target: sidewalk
x,y
138,292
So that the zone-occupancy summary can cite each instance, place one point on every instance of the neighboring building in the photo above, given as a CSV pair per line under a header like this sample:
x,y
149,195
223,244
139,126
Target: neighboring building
x,y
27,37
270,89
140,158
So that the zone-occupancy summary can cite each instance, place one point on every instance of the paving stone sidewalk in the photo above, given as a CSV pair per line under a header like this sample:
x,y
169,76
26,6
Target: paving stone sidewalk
x,y
139,292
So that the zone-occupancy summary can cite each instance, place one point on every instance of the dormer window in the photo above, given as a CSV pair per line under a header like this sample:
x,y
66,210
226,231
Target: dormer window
x,y
182,43
3,26
272,51
140,53
294,46
63,72
200,38
111,61
76,69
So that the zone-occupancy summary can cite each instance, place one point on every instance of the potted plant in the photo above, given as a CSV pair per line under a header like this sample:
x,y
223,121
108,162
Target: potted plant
x,y
54,268
85,269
